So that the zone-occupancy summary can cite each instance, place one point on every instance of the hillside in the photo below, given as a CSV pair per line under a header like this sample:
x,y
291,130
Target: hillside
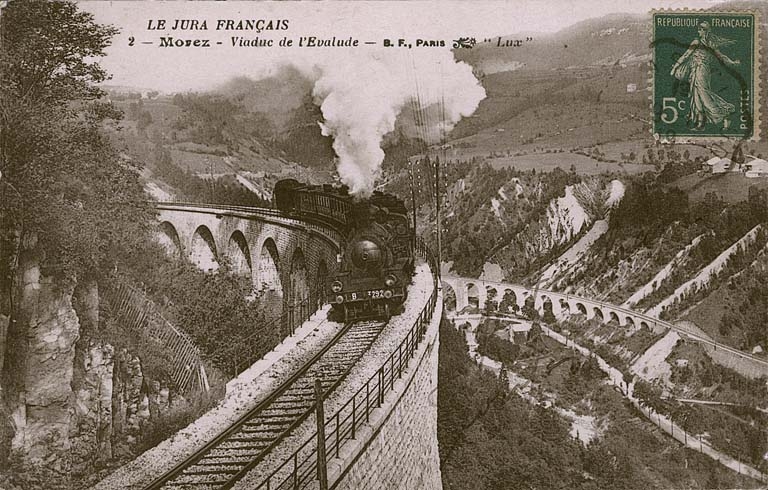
x,y
624,39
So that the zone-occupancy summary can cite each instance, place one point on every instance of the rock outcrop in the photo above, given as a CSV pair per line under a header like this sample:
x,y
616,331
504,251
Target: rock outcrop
x,y
40,354
68,397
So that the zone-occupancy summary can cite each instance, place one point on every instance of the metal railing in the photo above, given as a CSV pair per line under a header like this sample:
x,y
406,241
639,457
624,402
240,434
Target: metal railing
x,y
242,355
300,469
139,314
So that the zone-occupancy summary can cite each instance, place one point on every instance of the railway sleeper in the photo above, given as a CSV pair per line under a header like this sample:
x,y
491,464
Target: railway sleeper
x,y
341,363
277,419
306,388
351,344
197,482
208,461
331,365
325,380
305,393
362,334
256,437
336,369
356,339
284,411
269,425
297,399
249,442
289,405
370,331
347,353
230,469
249,427
234,452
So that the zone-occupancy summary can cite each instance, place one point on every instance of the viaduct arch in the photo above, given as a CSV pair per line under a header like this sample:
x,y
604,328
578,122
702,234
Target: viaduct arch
x,y
563,304
281,257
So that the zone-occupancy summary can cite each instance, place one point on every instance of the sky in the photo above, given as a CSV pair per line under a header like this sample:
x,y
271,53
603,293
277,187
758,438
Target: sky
x,y
171,69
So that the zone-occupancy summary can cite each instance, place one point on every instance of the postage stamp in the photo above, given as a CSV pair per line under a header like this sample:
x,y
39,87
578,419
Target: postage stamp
x,y
706,71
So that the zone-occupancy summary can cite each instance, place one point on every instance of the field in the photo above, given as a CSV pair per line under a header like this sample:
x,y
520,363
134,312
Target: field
x,y
732,187
546,162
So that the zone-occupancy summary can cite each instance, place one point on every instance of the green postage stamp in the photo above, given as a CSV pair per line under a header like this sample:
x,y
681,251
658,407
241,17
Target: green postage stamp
x,y
706,73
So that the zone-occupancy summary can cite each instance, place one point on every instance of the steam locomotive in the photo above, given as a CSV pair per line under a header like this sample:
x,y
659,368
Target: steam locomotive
x,y
376,262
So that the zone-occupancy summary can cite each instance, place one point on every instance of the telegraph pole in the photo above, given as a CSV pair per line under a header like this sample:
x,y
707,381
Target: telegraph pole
x,y
437,217
413,200
322,469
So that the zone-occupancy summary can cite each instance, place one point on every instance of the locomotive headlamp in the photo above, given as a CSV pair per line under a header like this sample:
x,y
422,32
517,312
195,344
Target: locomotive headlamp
x,y
339,299
390,280
387,294
336,286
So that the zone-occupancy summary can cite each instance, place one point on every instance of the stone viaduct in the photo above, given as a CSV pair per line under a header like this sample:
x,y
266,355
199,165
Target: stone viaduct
x,y
468,291
282,257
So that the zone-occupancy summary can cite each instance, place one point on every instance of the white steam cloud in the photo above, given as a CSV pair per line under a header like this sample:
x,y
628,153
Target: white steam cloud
x,y
361,97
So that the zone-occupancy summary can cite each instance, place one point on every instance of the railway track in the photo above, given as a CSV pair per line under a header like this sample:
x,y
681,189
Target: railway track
x,y
232,454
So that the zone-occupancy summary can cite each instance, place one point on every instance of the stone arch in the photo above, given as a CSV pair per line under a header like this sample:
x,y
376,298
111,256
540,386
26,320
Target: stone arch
x,y
547,308
239,254
169,239
581,309
565,307
529,307
473,295
267,272
319,287
629,321
644,325
598,313
491,298
203,251
297,298
613,318
508,302
449,297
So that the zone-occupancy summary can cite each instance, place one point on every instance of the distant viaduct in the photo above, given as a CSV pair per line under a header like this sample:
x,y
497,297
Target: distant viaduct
x,y
468,291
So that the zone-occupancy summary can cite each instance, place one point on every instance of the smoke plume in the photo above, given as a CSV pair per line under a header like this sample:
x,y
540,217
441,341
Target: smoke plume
x,y
362,96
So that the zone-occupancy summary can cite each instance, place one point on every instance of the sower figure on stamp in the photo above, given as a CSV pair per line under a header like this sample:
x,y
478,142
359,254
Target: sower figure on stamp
x,y
695,66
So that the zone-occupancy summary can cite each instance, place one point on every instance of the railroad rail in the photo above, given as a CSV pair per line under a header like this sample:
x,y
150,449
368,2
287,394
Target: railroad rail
x,y
229,456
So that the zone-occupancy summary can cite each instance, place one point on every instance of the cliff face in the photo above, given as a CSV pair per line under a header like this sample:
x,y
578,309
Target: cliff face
x,y
69,399
40,351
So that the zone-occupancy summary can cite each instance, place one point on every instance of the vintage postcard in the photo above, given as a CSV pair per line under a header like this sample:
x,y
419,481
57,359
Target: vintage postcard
x,y
393,245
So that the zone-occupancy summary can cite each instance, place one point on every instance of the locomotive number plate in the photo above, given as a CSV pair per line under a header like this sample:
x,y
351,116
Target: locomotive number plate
x,y
376,293
372,294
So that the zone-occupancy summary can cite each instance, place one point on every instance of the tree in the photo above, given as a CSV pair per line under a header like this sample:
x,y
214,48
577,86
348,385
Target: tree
x,y
72,191
70,205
